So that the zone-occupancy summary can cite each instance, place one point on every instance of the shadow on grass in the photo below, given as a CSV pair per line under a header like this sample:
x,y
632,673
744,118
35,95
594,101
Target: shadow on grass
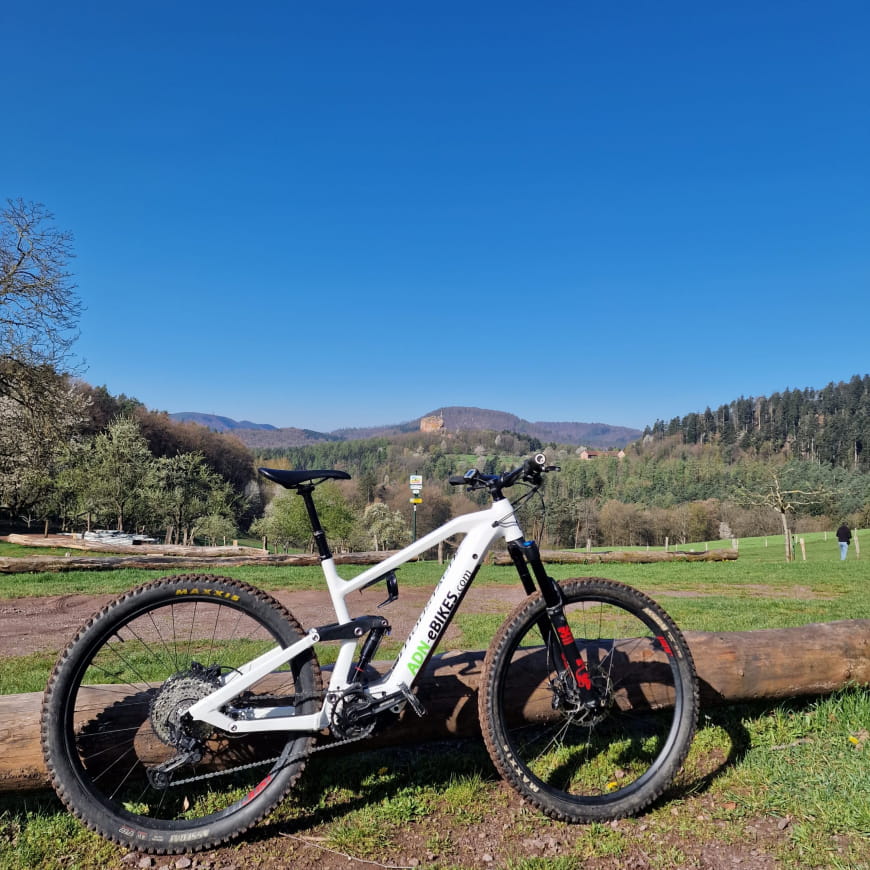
x,y
335,786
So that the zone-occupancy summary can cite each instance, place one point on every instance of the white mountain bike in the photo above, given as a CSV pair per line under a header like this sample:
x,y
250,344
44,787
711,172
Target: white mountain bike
x,y
184,711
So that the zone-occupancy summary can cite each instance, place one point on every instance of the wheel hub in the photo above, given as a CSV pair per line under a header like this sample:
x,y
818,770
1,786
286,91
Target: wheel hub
x,y
588,709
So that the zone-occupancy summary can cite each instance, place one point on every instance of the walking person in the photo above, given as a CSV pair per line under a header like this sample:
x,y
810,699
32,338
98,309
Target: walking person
x,y
844,535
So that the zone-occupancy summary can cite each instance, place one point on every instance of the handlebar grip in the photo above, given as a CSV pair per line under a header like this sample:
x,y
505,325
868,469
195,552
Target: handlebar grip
x,y
457,480
535,465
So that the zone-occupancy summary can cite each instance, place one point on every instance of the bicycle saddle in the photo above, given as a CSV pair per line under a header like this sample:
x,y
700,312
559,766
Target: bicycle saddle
x,y
292,479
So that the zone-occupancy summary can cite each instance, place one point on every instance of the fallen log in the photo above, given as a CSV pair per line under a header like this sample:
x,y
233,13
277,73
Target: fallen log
x,y
733,667
575,557
162,561
75,542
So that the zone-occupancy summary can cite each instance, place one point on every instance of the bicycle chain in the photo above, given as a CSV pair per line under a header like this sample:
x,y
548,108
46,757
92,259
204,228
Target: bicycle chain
x,y
253,764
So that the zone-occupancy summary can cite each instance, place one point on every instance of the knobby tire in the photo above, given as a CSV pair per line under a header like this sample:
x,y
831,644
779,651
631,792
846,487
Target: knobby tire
x,y
600,762
113,709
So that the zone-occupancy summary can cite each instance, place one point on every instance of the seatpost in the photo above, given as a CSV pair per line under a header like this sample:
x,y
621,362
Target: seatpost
x,y
306,490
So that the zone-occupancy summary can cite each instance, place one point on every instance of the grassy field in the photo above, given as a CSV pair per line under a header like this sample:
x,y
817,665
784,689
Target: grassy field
x,y
758,590
759,572
792,778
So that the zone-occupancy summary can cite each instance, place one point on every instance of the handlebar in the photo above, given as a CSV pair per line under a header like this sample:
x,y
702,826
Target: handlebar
x,y
530,472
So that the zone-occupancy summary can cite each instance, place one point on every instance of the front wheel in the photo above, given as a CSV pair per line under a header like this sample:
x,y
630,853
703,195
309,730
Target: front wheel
x,y
121,753
600,755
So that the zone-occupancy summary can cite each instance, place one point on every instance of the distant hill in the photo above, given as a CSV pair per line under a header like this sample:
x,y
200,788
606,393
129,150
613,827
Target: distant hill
x,y
461,419
216,423
448,419
285,437
587,434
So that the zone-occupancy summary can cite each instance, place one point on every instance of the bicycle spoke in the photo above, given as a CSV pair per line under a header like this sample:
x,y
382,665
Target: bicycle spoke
x,y
117,703
612,748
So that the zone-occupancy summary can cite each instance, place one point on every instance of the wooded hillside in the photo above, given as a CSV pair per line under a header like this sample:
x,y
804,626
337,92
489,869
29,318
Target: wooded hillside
x,y
449,419
688,481
830,426
75,457
670,485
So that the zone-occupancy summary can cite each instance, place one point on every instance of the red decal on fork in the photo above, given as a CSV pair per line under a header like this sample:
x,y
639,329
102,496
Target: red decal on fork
x,y
565,635
581,673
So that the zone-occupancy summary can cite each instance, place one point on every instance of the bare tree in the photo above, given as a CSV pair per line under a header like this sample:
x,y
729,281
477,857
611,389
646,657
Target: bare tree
x,y
39,308
774,493
40,406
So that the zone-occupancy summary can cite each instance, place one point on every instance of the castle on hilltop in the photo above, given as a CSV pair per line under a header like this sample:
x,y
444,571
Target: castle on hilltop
x,y
435,423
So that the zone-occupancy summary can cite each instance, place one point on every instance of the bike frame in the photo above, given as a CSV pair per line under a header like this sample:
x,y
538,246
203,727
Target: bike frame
x,y
480,529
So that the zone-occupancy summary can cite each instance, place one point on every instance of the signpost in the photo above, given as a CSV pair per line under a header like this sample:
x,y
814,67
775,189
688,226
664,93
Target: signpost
x,y
416,483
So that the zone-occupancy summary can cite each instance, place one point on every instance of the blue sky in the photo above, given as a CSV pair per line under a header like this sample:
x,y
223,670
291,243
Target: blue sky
x,y
351,213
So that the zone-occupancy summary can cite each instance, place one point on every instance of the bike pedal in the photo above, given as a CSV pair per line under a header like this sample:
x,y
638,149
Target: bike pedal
x,y
413,700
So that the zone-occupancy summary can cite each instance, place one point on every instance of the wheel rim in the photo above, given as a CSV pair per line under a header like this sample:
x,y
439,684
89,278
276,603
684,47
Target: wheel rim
x,y
601,756
130,693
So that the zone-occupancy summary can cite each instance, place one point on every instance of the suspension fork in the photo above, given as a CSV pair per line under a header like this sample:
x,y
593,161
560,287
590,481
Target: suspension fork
x,y
554,628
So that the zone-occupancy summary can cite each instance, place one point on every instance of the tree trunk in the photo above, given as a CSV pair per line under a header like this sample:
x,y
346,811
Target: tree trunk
x,y
786,531
732,667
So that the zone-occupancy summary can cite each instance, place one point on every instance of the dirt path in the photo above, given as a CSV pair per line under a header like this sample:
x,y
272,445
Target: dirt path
x,y
46,624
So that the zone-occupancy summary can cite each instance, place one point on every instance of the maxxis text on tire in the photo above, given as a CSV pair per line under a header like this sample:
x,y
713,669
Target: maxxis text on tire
x,y
114,706
581,764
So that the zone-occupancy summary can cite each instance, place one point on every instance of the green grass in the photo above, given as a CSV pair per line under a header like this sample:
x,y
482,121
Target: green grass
x,y
34,833
25,673
761,561
12,551
758,590
815,751
804,765
801,765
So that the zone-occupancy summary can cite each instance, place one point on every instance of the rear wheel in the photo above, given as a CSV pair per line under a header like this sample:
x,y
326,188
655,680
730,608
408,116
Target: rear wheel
x,y
578,758
120,752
